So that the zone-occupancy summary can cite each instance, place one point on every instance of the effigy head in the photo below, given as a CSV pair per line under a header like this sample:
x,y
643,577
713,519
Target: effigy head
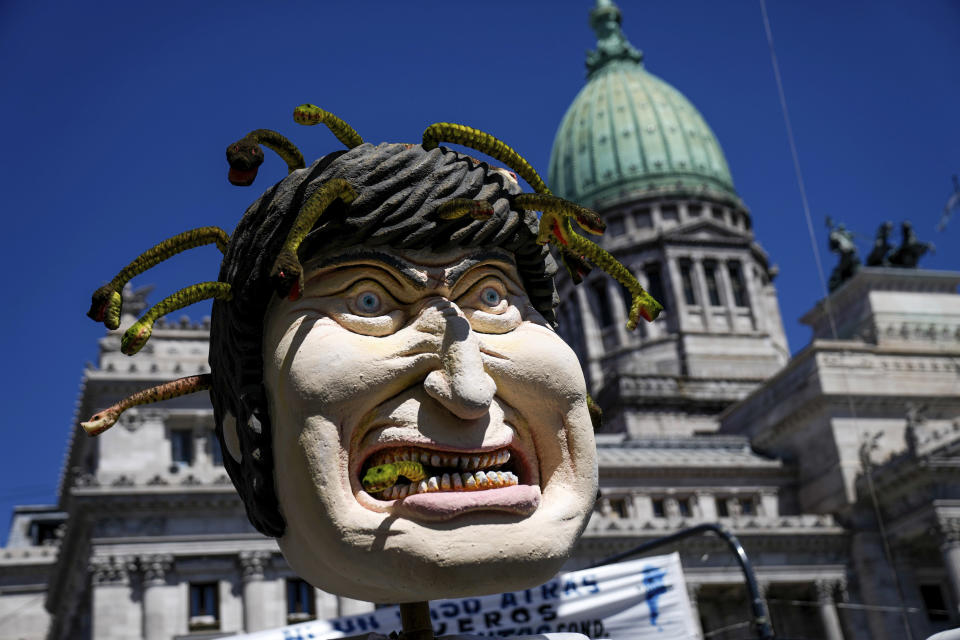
x,y
385,374
418,341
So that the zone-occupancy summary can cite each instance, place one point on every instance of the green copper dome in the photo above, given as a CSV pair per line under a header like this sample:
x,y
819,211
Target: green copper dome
x,y
628,132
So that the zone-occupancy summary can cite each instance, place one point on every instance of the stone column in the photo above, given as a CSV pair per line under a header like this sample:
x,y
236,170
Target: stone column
x,y
592,341
754,299
156,625
768,506
726,294
949,529
705,507
115,616
703,297
252,564
656,220
693,592
828,609
642,507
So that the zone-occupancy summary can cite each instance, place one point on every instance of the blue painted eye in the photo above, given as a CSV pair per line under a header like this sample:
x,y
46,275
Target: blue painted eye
x,y
368,302
490,297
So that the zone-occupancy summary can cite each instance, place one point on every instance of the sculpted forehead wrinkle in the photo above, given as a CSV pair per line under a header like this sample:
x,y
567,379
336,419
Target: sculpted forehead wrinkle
x,y
429,274
454,273
360,255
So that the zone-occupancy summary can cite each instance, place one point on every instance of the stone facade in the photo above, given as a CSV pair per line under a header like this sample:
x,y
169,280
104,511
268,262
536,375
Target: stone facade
x,y
870,413
838,469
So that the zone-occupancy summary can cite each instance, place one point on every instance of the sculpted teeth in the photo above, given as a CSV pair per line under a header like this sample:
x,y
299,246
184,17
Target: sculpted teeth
x,y
453,483
463,463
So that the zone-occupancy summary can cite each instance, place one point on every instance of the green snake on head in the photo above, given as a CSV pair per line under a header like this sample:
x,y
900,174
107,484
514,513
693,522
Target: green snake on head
x,y
245,157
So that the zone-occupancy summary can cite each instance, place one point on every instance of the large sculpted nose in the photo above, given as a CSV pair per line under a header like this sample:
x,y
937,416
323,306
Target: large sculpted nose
x,y
461,384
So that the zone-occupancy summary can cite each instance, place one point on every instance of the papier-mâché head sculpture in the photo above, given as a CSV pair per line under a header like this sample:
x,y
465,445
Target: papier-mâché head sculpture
x,y
397,408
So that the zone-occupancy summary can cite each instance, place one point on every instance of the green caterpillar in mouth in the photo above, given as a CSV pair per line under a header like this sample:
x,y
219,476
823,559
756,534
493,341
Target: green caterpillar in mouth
x,y
384,476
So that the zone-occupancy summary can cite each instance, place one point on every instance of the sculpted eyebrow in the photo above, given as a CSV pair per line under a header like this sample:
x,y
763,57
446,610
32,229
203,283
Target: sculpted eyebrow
x,y
413,277
471,261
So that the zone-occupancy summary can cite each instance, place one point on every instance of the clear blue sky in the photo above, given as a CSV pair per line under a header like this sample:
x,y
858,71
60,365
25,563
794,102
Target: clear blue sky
x,y
117,116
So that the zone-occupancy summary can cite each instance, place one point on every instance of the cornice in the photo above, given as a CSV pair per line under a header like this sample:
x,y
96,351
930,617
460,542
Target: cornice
x,y
28,556
106,500
776,526
698,471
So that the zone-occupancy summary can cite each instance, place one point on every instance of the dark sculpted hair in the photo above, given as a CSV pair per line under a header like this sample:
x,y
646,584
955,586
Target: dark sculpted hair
x,y
399,188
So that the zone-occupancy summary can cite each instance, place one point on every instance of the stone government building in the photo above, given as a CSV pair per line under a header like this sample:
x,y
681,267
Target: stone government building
x,y
707,419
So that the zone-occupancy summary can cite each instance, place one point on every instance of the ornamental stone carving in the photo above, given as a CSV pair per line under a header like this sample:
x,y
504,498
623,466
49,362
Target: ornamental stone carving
x,y
252,564
155,568
111,569
948,529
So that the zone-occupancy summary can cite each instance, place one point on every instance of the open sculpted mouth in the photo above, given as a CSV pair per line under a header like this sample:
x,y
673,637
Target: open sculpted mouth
x,y
441,484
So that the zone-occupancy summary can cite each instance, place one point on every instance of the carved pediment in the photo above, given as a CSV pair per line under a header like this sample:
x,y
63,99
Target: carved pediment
x,y
707,230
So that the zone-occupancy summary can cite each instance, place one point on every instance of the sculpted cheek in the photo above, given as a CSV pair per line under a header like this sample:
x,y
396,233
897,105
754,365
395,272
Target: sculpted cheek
x,y
537,357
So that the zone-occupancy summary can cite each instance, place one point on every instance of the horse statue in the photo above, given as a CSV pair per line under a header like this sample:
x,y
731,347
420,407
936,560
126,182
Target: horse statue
x,y
910,251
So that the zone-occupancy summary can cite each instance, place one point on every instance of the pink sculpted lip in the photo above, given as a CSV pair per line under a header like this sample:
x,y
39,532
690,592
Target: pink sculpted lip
x,y
520,499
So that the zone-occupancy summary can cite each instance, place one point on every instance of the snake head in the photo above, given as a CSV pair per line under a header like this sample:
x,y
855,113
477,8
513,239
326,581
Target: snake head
x,y
379,478
105,306
245,157
286,275
101,421
135,337
643,306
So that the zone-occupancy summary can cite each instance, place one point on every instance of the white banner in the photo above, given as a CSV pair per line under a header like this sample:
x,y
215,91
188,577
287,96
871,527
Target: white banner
x,y
645,598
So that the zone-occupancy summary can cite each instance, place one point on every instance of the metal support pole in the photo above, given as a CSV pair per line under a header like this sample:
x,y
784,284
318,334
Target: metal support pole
x,y
761,619
415,618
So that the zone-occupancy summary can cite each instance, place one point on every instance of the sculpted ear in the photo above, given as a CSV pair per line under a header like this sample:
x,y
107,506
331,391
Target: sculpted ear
x,y
230,437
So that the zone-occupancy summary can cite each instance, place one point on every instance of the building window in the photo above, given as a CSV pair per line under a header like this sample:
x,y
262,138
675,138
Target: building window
x,y
643,219
659,511
722,510
44,533
694,210
654,281
300,601
216,453
934,603
683,507
181,446
717,213
738,285
710,271
615,226
204,606
747,506
605,315
618,507
669,214
686,276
